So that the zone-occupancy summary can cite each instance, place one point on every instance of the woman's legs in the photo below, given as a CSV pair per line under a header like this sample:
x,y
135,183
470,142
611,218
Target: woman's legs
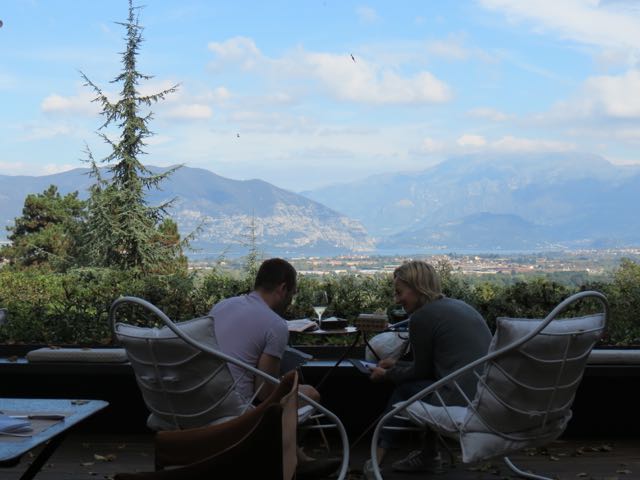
x,y
390,438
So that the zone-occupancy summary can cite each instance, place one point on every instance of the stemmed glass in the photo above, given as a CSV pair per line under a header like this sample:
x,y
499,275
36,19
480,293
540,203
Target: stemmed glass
x,y
320,303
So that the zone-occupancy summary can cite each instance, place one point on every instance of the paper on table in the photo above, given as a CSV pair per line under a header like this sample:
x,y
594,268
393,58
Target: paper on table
x,y
13,425
301,325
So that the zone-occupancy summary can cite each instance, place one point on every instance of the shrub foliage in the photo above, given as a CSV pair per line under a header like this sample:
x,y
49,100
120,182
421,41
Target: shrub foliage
x,y
72,307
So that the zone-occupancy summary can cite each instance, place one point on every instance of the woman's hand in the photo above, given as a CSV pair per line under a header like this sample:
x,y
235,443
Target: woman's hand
x,y
387,362
377,374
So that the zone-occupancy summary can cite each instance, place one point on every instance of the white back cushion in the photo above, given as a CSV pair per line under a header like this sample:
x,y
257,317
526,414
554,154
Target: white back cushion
x,y
182,386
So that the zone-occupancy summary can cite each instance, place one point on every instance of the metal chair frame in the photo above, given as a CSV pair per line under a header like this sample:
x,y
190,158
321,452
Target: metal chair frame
x,y
324,412
474,366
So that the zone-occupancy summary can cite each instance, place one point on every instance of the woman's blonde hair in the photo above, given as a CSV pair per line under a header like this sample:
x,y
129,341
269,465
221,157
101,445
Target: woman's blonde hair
x,y
421,277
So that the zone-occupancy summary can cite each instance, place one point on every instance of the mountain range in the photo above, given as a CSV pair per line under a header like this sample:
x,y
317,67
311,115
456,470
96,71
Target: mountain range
x,y
476,202
227,212
492,202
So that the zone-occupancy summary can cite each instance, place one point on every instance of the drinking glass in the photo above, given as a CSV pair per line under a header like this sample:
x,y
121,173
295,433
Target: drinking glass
x,y
320,303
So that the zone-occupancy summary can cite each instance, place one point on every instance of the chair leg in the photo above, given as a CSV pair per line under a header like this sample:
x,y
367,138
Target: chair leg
x,y
323,436
522,473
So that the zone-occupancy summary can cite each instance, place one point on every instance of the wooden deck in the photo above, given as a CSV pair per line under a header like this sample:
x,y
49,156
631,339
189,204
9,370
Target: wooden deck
x,y
92,456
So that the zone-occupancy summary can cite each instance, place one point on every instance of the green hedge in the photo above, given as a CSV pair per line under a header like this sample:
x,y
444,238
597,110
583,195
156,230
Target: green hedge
x,y
72,307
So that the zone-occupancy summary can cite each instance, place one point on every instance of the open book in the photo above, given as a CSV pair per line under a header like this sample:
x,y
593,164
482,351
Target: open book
x,y
302,325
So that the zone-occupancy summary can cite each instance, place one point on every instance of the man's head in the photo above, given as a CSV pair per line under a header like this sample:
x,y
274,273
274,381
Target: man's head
x,y
276,282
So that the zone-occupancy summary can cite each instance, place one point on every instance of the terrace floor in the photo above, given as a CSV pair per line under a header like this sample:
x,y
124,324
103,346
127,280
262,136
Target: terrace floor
x,y
99,456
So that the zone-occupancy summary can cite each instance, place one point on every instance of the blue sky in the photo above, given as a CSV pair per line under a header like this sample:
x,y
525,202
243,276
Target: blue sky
x,y
269,89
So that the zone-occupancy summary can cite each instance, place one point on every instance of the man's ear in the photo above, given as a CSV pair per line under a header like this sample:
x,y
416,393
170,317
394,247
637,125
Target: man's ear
x,y
282,289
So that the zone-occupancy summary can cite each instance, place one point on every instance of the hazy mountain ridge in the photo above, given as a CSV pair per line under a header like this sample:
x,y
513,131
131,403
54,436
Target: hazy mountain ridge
x,y
225,209
487,202
516,202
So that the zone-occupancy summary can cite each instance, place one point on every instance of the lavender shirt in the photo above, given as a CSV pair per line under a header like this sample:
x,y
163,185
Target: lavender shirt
x,y
246,328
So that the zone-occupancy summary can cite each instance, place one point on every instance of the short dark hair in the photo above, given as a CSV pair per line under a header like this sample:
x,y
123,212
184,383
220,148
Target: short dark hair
x,y
274,272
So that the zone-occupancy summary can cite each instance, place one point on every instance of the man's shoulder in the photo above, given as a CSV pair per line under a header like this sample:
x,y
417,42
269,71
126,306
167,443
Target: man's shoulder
x,y
250,306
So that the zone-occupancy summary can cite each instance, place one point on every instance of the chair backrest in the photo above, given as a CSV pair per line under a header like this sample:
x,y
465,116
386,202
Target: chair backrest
x,y
530,380
182,386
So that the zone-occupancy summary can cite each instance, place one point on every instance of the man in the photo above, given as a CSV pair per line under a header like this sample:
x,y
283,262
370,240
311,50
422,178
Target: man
x,y
250,328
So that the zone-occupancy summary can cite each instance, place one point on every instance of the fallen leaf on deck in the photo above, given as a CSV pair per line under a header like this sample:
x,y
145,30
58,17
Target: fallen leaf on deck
x,y
110,457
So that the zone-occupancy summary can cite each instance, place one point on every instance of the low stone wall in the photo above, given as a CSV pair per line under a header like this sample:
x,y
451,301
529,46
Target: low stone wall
x,y
605,403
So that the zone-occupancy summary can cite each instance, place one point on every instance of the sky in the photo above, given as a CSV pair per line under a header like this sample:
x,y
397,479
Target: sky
x,y
308,93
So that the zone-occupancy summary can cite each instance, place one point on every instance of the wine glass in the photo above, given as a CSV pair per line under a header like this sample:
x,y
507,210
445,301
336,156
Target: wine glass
x,y
320,303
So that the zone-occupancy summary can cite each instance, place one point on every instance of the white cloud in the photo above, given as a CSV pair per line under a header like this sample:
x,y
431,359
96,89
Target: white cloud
x,y
237,50
590,22
42,132
13,168
451,48
51,168
21,168
192,111
488,113
603,97
510,144
521,145
470,140
361,81
614,96
154,87
76,104
218,95
367,83
429,145
367,14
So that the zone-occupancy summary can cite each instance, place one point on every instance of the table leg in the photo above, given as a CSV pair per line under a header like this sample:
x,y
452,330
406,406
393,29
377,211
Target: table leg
x,y
340,360
42,457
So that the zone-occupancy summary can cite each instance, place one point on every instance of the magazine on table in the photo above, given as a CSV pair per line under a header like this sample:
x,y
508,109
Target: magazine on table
x,y
302,325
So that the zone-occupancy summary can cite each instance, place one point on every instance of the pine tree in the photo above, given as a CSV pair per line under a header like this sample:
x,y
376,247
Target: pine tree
x,y
47,233
124,230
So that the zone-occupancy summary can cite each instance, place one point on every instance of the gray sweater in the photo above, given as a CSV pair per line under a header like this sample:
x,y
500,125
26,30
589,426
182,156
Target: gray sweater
x,y
445,335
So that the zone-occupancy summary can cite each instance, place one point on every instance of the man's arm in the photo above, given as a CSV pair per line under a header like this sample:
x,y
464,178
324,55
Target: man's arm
x,y
271,366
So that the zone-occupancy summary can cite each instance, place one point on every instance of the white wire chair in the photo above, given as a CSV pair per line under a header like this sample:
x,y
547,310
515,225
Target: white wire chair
x,y
526,385
185,379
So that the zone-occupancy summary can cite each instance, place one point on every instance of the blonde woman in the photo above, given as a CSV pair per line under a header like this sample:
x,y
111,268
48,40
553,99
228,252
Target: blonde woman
x,y
445,334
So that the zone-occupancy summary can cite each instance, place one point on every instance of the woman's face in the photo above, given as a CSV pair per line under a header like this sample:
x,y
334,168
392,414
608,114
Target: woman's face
x,y
406,296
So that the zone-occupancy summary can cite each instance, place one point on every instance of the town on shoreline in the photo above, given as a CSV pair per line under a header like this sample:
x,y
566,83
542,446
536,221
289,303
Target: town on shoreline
x,y
594,263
